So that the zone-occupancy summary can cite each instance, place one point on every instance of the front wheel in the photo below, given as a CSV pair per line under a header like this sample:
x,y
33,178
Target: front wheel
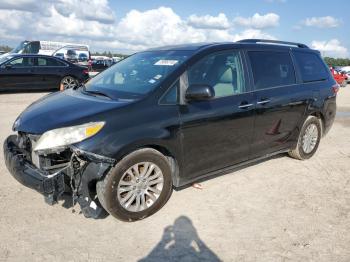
x,y
137,187
68,82
309,139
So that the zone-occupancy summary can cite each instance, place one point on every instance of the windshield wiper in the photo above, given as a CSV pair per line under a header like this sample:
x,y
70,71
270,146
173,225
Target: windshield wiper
x,y
97,93
93,92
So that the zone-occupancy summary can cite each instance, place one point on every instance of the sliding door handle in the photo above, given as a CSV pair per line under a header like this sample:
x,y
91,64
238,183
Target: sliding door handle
x,y
244,106
262,102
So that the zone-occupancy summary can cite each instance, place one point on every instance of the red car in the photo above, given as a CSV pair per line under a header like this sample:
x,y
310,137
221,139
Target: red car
x,y
339,77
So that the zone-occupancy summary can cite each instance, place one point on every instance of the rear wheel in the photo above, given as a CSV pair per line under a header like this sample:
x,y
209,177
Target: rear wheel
x,y
137,187
68,82
309,139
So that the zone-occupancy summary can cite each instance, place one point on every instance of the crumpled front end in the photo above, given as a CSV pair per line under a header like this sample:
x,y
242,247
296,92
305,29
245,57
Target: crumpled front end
x,y
67,170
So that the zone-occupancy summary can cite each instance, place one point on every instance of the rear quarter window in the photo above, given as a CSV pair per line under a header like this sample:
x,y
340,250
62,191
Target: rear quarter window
x,y
311,67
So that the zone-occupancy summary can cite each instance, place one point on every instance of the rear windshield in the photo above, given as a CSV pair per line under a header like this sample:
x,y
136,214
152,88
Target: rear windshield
x,y
311,67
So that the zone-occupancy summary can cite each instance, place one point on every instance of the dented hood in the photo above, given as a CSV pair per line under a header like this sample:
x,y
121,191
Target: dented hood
x,y
61,109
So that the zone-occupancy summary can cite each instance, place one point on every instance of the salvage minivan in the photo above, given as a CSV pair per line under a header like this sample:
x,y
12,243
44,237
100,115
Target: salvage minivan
x,y
167,117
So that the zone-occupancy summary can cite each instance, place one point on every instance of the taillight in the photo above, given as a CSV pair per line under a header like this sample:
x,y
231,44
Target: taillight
x,y
335,88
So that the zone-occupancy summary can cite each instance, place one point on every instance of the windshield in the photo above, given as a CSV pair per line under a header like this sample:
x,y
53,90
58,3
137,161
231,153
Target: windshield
x,y
4,58
138,74
20,47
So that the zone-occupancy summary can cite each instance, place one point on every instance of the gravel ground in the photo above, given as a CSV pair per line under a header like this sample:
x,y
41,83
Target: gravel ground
x,y
277,210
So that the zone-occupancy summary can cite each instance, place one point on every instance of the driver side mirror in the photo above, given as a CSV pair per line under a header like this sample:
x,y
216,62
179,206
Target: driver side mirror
x,y
8,66
199,92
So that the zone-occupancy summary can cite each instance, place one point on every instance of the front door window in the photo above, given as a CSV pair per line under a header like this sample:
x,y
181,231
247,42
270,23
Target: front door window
x,y
222,71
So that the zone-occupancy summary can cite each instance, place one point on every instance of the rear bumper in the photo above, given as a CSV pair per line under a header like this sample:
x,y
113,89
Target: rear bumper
x,y
27,174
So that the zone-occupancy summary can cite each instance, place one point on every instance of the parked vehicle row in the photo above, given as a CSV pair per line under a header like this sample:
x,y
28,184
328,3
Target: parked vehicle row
x,y
48,48
170,116
39,72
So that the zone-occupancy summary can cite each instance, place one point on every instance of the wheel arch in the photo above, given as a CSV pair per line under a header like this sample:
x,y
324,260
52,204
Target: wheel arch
x,y
163,149
321,118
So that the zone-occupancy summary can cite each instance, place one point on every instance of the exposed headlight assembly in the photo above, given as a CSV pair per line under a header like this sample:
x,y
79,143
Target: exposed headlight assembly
x,y
62,137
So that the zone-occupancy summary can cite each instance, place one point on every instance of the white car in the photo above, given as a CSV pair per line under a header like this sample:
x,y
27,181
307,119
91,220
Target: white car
x,y
347,73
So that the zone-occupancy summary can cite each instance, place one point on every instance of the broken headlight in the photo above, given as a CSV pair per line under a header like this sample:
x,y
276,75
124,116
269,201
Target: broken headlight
x,y
61,137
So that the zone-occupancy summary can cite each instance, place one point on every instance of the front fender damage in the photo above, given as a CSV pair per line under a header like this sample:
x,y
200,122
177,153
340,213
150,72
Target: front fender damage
x,y
56,172
85,170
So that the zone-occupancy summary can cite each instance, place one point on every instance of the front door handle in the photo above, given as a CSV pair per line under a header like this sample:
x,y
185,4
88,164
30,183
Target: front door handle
x,y
245,105
263,101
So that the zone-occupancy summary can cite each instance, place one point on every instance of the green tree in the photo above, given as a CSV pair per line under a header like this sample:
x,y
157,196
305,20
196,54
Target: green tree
x,y
330,61
5,48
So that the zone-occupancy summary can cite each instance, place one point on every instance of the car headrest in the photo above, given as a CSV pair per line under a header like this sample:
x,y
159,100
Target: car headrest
x,y
227,76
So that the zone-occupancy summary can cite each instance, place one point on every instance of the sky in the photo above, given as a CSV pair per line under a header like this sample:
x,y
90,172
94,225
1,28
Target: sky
x,y
135,25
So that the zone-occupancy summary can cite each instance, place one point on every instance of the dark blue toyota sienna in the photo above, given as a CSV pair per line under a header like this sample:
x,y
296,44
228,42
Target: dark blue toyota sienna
x,y
170,116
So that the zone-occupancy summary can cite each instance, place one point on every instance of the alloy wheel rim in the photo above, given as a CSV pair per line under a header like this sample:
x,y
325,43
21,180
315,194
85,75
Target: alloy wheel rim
x,y
310,138
69,82
140,186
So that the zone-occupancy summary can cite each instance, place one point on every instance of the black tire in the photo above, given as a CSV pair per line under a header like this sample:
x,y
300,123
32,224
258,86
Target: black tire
x,y
107,188
298,152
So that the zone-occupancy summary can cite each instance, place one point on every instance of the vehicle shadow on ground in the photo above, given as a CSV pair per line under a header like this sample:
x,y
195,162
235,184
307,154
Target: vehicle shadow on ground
x,y
180,242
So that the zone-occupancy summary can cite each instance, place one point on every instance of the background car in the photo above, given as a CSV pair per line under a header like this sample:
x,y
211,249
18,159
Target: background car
x,y
339,77
100,65
347,73
24,72
82,57
71,56
60,55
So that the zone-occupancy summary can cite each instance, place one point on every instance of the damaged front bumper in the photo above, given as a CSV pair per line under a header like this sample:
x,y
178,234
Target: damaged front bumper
x,y
78,176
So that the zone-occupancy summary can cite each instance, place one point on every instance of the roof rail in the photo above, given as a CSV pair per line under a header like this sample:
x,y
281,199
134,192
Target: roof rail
x,y
256,41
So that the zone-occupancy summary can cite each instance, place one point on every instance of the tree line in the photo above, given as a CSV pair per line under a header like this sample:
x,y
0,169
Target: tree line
x,y
337,61
5,48
108,54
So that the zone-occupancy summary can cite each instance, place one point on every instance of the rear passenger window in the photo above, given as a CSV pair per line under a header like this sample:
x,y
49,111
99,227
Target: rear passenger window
x,y
49,62
311,67
271,69
54,62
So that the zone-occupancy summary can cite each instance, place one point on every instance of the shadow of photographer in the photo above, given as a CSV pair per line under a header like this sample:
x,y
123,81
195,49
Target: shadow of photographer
x,y
180,242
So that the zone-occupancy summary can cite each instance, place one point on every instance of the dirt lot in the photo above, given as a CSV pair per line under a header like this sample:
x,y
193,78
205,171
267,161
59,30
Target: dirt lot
x,y
278,210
